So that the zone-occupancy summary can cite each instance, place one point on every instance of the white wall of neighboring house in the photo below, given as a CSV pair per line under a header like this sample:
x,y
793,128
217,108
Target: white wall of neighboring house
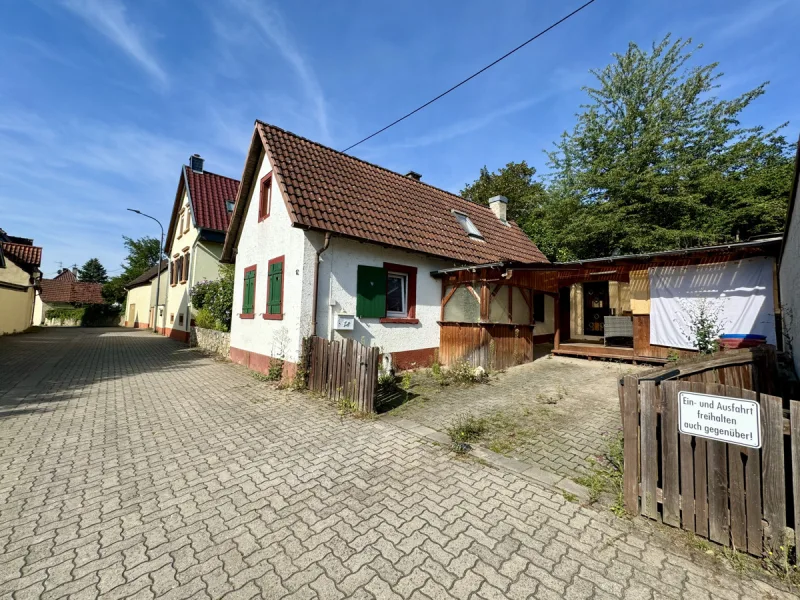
x,y
337,295
259,243
137,306
790,285
177,304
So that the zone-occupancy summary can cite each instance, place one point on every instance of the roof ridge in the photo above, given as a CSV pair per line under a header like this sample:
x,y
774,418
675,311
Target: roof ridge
x,y
366,162
205,172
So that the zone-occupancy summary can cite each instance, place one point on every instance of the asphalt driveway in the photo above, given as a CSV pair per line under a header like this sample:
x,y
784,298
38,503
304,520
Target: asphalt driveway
x,y
131,466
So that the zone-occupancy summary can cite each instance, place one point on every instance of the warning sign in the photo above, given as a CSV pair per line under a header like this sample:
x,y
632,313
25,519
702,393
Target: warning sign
x,y
730,420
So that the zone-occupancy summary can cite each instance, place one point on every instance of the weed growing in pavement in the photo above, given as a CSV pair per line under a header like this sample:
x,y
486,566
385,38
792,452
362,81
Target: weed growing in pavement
x,y
463,430
606,473
569,496
782,564
275,372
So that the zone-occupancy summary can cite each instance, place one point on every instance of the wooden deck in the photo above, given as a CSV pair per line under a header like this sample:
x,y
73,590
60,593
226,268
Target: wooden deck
x,y
589,349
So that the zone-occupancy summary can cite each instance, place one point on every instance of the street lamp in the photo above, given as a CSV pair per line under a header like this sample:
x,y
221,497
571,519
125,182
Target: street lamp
x,y
160,260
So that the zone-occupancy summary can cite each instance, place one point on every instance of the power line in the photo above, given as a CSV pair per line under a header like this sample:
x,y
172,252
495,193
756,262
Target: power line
x,y
473,76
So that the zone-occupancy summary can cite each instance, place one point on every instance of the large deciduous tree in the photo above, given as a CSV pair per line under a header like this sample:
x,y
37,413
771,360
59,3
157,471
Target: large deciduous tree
x,y
658,161
516,182
93,271
143,254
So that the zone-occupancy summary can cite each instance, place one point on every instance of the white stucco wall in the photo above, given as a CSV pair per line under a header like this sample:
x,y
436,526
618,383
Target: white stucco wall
x,y
337,295
789,279
16,305
548,325
137,306
258,244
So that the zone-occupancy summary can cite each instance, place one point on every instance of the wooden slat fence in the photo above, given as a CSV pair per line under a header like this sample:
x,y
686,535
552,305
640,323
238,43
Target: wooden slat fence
x,y
344,371
733,495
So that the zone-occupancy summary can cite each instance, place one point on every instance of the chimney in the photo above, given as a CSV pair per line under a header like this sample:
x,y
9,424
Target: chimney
x,y
75,271
196,163
499,204
414,175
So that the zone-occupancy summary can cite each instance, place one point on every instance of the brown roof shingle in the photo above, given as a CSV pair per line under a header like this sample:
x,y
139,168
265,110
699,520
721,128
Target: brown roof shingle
x,y
331,191
147,276
25,254
67,289
209,192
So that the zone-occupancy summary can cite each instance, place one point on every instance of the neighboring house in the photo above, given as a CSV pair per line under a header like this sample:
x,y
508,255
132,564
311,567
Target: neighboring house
x,y
140,302
790,271
200,217
64,291
19,273
328,244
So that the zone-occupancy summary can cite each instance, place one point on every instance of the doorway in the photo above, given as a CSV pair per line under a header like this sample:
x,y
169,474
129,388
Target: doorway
x,y
564,313
595,307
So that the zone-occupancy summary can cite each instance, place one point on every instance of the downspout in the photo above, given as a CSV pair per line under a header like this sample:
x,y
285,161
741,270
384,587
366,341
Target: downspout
x,y
316,283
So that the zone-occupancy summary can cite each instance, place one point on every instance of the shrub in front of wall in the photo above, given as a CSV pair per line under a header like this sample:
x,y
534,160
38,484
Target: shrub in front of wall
x,y
205,319
65,314
100,315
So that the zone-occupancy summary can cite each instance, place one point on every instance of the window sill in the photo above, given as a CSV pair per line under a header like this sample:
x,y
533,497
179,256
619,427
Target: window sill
x,y
400,321
268,317
182,282
248,316
172,284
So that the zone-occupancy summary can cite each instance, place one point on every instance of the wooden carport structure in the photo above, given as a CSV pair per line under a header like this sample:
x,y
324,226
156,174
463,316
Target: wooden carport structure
x,y
488,311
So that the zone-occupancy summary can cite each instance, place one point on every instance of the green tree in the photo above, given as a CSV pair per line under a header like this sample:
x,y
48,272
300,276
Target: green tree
x,y
93,271
516,182
657,161
143,254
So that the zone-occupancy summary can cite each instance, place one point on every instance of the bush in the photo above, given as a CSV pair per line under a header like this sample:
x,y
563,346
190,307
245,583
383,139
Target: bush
x,y
101,315
65,314
216,297
205,320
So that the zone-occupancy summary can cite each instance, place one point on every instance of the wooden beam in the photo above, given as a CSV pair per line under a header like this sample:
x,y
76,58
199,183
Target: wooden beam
x,y
556,321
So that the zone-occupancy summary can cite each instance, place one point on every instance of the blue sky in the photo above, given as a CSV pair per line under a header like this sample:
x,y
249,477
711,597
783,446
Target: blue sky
x,y
101,101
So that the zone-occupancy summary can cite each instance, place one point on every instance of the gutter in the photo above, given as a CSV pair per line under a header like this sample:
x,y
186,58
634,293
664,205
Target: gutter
x,y
316,283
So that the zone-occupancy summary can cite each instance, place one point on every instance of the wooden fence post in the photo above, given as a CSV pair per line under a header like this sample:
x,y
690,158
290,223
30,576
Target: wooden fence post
x,y
649,445
773,474
630,428
670,478
794,432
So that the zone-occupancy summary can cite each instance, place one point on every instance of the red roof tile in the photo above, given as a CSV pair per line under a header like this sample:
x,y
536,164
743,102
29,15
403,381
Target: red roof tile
x,y
65,275
331,191
209,192
65,289
23,253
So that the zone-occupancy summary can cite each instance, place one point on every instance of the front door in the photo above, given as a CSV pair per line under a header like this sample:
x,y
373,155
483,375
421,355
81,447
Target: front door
x,y
595,307
132,314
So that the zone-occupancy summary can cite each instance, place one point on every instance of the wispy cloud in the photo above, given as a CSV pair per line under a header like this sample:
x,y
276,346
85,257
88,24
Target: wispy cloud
x,y
745,20
270,24
110,18
466,126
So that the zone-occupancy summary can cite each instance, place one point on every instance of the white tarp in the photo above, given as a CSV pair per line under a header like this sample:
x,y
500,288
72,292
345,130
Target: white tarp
x,y
739,292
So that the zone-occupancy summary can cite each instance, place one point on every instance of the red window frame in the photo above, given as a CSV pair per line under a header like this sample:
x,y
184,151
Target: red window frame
x,y
265,199
411,304
278,317
255,278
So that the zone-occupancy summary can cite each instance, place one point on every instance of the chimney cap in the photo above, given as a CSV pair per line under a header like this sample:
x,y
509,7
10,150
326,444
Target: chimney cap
x,y
196,163
498,199
413,175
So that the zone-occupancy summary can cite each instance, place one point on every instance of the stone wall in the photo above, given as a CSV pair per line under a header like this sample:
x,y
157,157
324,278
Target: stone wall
x,y
216,342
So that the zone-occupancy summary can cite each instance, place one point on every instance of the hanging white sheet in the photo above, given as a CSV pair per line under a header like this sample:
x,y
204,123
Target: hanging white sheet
x,y
739,292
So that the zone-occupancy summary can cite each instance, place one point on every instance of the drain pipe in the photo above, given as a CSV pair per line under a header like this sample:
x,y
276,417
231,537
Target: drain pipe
x,y
316,283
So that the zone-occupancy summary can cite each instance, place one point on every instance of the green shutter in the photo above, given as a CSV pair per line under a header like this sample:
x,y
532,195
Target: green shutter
x,y
371,290
275,288
249,292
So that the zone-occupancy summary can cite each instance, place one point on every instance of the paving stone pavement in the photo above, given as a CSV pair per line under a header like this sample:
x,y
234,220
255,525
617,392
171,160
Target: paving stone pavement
x,y
131,467
573,402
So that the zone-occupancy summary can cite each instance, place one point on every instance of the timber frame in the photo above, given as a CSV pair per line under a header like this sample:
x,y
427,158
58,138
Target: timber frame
x,y
493,344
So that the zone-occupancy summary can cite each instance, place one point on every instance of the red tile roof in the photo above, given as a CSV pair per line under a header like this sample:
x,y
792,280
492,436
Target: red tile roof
x,y
65,288
65,275
209,192
147,276
25,254
331,191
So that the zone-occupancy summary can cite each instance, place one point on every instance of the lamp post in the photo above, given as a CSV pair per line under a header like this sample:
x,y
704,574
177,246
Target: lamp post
x,y
160,261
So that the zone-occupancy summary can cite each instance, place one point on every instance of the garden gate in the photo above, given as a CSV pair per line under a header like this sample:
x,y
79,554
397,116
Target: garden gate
x,y
344,371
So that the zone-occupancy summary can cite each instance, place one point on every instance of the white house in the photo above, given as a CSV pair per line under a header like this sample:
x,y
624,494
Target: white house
x,y
144,293
326,244
200,215
790,271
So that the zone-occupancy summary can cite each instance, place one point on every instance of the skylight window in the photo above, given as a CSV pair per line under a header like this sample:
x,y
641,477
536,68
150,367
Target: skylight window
x,y
229,205
467,224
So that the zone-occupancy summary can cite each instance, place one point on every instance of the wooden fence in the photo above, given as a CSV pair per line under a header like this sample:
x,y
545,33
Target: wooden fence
x,y
344,371
730,494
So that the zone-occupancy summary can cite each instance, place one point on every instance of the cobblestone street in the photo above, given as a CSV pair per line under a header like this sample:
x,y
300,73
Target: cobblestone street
x,y
132,467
